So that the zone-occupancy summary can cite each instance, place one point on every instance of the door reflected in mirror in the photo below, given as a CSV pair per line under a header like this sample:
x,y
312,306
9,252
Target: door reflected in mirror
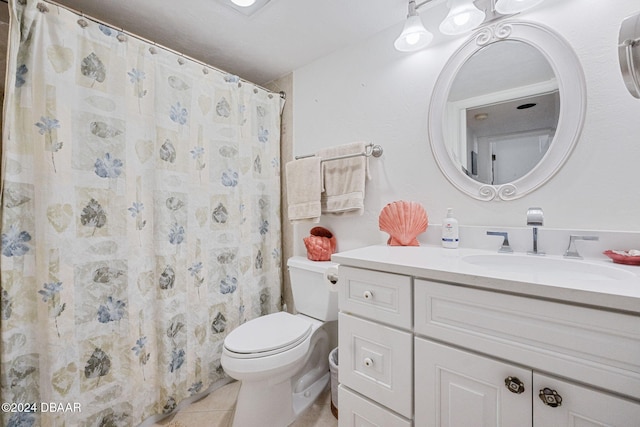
x,y
502,112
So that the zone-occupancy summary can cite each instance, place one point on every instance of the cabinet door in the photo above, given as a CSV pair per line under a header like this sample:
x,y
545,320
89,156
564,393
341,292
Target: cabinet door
x,y
455,388
579,406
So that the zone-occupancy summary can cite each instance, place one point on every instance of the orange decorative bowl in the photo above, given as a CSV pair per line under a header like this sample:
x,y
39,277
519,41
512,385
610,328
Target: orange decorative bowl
x,y
622,257
320,244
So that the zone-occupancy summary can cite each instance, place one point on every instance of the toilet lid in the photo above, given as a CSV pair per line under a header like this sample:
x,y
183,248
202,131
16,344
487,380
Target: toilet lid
x,y
268,333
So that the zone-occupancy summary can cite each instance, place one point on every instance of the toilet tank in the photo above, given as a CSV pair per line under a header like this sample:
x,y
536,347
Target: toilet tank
x,y
311,294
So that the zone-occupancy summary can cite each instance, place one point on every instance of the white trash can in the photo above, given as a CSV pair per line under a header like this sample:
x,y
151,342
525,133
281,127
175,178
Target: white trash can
x,y
333,368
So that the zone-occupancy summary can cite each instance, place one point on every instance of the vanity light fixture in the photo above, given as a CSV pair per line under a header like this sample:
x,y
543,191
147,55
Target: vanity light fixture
x,y
509,7
463,16
414,35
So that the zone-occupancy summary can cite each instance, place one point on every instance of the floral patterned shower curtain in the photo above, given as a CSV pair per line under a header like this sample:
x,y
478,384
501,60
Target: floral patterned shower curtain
x,y
140,221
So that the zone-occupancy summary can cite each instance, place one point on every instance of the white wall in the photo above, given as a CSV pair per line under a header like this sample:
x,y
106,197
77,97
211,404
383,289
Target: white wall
x,y
370,91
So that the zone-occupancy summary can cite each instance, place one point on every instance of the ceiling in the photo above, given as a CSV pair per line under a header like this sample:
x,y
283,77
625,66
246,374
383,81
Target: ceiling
x,y
283,36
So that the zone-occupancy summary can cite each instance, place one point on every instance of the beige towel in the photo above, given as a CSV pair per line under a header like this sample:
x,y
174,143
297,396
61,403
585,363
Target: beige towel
x,y
303,189
343,180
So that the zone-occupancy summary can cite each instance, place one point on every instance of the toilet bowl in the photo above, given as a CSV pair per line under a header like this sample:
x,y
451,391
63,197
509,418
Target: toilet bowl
x,y
281,359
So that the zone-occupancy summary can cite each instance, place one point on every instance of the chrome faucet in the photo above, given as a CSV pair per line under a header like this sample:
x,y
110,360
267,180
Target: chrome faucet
x,y
572,251
535,219
505,248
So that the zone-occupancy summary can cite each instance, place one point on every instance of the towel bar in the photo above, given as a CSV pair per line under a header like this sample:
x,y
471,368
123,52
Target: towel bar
x,y
370,150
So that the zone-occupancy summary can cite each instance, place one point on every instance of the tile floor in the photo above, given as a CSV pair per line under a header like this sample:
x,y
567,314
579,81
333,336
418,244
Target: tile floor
x,y
216,410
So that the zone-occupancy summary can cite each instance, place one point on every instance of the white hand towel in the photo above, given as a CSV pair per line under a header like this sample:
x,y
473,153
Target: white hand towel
x,y
303,180
344,179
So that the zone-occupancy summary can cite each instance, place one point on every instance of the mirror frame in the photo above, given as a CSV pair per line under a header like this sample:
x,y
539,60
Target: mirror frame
x,y
573,96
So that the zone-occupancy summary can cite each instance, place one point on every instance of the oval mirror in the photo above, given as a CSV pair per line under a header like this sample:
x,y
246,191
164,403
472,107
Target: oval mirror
x,y
507,110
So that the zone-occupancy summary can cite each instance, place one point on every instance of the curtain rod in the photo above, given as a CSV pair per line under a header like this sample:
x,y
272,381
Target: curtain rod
x,y
282,94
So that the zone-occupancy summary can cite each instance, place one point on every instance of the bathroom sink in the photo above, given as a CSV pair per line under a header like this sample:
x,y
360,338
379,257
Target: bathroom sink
x,y
545,268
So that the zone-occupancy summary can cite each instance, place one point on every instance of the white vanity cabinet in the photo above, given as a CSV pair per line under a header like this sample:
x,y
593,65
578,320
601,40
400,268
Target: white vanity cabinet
x,y
431,352
457,388
502,356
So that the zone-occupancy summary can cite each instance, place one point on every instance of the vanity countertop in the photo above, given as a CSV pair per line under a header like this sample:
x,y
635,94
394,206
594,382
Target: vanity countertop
x,y
451,265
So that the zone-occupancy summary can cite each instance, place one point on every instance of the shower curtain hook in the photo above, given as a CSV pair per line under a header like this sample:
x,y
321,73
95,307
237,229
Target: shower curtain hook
x,y
121,37
82,22
42,8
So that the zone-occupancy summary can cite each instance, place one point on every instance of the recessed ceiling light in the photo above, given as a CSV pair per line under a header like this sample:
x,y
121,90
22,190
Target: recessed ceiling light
x,y
246,7
243,3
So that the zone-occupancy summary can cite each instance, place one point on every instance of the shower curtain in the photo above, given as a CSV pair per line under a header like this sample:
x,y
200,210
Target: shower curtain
x,y
140,221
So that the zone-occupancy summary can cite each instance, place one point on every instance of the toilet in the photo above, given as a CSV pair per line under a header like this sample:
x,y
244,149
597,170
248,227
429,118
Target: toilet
x,y
281,359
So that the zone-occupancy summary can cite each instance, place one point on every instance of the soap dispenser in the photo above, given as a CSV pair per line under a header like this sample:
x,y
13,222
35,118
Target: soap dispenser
x,y
450,236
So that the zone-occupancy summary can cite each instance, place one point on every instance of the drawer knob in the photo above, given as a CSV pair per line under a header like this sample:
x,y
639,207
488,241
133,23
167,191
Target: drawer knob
x,y
550,397
368,362
514,385
367,295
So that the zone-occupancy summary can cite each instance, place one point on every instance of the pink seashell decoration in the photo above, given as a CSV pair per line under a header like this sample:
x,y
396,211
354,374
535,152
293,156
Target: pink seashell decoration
x,y
404,221
320,245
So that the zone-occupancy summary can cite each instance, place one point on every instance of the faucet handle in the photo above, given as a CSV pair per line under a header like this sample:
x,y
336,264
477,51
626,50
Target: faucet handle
x,y
572,251
505,248
535,217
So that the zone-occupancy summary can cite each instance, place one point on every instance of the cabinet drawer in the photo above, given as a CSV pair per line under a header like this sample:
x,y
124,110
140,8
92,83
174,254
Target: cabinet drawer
x,y
357,411
586,344
377,361
383,297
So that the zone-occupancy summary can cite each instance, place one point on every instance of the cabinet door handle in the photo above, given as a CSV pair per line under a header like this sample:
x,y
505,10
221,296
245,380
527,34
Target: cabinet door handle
x,y
368,362
514,385
550,397
367,295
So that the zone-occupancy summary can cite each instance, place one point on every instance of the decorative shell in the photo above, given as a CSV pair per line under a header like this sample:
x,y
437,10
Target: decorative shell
x,y
403,221
320,245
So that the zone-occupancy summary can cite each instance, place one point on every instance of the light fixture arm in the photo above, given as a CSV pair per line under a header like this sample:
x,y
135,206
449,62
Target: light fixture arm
x,y
490,10
413,9
419,5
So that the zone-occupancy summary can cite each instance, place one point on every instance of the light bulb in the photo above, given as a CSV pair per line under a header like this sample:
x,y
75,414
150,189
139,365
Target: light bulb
x,y
461,19
464,16
412,39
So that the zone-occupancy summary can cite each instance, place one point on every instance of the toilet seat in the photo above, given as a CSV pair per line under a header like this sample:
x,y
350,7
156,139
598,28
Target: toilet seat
x,y
267,335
